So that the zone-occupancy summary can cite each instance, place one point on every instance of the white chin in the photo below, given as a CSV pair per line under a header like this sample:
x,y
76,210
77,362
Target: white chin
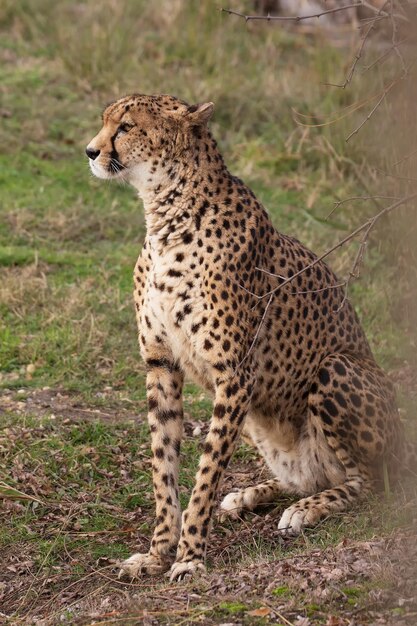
x,y
100,172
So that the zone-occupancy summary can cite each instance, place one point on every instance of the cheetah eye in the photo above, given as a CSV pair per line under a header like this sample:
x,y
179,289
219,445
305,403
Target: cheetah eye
x,y
124,128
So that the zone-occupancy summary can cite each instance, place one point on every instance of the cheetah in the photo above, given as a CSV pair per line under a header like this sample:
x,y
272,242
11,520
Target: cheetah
x,y
295,370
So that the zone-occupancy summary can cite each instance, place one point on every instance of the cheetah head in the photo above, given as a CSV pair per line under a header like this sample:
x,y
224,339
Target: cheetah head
x,y
142,135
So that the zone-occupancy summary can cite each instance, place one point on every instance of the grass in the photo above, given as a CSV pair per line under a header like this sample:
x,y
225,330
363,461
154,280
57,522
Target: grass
x,y
92,480
68,238
68,244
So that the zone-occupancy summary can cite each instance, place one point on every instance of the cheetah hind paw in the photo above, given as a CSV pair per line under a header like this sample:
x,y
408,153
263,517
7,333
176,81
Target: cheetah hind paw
x,y
295,518
147,564
185,569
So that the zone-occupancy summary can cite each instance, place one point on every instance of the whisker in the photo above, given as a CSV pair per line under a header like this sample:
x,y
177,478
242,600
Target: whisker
x,y
117,161
115,166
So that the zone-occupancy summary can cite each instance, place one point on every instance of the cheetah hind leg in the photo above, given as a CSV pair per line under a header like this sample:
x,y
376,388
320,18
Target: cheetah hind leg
x,y
352,408
248,499
309,511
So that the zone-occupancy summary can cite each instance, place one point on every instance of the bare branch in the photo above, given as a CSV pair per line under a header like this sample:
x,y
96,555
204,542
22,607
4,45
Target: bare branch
x,y
385,92
300,293
386,53
370,114
383,13
395,43
357,264
371,7
258,330
352,198
408,156
353,234
358,54
345,112
286,18
391,175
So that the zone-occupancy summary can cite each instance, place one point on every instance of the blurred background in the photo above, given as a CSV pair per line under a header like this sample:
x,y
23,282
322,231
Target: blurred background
x,y
69,242
74,446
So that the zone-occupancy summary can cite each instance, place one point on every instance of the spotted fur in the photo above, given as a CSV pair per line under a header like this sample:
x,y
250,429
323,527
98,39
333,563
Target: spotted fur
x,y
311,397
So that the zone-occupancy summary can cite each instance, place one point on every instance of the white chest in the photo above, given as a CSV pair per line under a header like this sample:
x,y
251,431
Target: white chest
x,y
173,305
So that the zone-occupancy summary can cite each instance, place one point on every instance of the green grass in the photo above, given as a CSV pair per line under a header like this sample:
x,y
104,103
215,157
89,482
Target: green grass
x,y
68,244
103,470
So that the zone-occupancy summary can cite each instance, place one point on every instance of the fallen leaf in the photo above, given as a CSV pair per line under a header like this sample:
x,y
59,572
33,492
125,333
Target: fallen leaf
x,y
333,620
263,611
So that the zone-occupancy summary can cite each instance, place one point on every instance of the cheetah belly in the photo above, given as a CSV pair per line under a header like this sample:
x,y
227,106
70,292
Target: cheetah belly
x,y
303,462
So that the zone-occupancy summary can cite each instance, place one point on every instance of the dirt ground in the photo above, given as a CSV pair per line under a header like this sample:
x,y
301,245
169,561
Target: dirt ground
x,y
353,583
254,576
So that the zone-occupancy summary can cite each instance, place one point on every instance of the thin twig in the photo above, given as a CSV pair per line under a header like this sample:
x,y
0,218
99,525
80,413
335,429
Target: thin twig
x,y
380,11
352,198
258,330
360,50
370,6
325,288
384,94
280,616
405,158
357,264
353,234
345,112
395,43
396,176
385,55
286,18
356,59
370,114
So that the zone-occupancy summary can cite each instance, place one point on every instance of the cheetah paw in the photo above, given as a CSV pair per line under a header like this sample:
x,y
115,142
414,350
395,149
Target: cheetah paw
x,y
231,506
139,564
185,569
294,519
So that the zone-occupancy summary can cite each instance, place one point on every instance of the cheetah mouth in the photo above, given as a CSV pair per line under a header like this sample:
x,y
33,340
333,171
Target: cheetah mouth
x,y
113,169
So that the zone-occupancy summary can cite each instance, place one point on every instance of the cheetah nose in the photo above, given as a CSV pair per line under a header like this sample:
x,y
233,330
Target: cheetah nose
x,y
92,154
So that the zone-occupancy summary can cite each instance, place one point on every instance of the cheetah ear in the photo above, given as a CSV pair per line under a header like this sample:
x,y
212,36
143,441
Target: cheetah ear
x,y
199,114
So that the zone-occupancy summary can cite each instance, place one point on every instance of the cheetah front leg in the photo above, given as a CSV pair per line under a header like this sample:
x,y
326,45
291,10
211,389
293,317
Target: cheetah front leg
x,y
230,407
164,391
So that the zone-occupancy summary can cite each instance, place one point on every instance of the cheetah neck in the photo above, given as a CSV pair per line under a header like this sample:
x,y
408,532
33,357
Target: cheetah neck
x,y
173,195
167,213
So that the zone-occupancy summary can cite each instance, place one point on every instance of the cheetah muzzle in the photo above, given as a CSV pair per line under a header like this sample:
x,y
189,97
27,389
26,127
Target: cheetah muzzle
x,y
311,397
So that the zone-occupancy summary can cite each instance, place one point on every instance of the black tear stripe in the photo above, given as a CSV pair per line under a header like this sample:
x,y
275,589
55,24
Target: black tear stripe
x,y
115,166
